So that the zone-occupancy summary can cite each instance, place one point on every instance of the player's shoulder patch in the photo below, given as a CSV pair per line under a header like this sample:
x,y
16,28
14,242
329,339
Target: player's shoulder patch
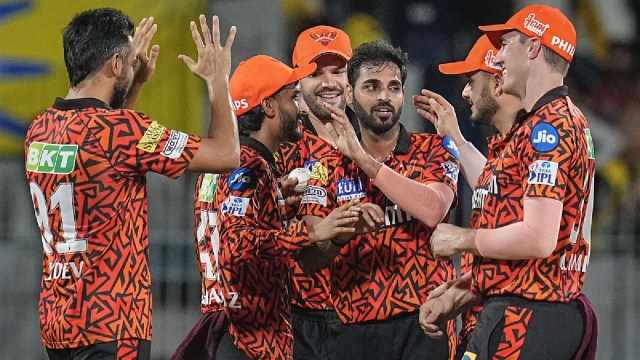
x,y
320,173
451,147
151,137
235,205
243,178
544,137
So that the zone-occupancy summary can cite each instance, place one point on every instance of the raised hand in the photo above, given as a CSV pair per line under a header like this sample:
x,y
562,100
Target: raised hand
x,y
371,218
341,220
342,133
433,107
145,60
214,59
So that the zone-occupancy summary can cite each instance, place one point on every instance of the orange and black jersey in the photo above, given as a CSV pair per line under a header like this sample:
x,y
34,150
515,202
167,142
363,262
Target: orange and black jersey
x,y
550,155
86,165
256,244
310,291
390,271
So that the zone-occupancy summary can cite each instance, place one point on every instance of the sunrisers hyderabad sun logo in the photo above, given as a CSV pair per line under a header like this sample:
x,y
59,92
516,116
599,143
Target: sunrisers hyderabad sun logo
x,y
324,37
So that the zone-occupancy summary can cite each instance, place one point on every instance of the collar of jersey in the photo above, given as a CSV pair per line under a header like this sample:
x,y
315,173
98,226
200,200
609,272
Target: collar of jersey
x,y
560,91
83,103
259,147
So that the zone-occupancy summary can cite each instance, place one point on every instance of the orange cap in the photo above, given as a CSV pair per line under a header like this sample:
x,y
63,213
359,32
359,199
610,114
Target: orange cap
x,y
320,40
548,24
260,77
480,58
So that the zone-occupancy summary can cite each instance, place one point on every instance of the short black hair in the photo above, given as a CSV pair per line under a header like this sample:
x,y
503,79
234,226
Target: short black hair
x,y
376,53
91,38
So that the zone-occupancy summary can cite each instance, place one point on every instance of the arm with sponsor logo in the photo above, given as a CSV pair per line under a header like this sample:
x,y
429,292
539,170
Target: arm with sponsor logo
x,y
220,151
442,115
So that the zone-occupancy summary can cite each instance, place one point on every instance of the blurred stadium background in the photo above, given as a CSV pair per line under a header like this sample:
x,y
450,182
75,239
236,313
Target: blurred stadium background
x,y
603,80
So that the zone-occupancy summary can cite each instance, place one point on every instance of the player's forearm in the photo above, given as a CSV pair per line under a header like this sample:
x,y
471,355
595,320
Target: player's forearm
x,y
366,163
533,238
223,127
428,203
472,162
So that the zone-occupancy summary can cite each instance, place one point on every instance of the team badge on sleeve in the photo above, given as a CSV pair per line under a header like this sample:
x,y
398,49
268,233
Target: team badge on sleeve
x,y
544,137
543,172
151,137
208,188
242,178
320,173
314,195
450,146
451,170
175,144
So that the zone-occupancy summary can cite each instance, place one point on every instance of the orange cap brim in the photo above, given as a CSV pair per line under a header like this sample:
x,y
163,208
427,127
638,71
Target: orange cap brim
x,y
301,72
494,32
457,68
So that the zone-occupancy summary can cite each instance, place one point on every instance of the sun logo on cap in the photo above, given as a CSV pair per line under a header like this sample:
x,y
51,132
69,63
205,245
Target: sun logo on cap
x,y
324,37
489,60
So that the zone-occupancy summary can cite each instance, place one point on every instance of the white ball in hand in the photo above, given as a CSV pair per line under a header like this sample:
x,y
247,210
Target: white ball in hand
x,y
302,174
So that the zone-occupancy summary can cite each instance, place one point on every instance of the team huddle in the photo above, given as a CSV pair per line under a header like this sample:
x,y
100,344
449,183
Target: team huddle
x,y
321,223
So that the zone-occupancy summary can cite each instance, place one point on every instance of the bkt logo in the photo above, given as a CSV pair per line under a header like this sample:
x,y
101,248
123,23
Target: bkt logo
x,y
543,172
544,137
241,179
51,158
349,189
309,164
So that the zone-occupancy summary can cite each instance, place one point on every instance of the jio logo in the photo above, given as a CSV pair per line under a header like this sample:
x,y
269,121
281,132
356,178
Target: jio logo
x,y
544,137
241,179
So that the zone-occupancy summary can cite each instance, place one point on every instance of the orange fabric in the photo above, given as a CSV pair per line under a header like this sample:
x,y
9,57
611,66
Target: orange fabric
x,y
260,77
548,24
480,58
320,40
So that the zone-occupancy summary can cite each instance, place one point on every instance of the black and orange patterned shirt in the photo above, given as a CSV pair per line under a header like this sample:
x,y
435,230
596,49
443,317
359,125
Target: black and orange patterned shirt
x,y
550,155
497,144
256,245
311,291
392,270
86,167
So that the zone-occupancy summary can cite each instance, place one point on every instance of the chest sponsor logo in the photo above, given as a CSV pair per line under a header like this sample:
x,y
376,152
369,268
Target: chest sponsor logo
x,y
349,189
450,146
175,144
574,263
320,173
451,170
208,187
543,172
235,206
51,158
242,178
314,195
544,137
393,215
151,137
480,193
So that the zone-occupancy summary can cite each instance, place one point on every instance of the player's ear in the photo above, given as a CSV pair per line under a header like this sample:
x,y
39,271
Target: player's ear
x,y
348,94
269,106
496,84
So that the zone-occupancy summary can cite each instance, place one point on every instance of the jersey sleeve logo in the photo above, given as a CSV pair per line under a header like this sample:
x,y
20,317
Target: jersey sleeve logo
x,y
151,137
451,170
543,172
242,178
175,144
314,195
591,148
320,173
235,206
51,158
450,146
544,137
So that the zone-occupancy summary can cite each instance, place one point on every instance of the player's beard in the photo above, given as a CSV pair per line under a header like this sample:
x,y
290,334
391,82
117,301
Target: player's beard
x,y
371,122
316,107
289,129
120,92
487,108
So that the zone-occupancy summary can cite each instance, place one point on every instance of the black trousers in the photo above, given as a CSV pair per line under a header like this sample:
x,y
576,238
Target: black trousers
x,y
130,349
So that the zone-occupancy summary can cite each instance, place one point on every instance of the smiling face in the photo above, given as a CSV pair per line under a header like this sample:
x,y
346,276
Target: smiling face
x,y
479,94
288,110
378,96
326,85
513,59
